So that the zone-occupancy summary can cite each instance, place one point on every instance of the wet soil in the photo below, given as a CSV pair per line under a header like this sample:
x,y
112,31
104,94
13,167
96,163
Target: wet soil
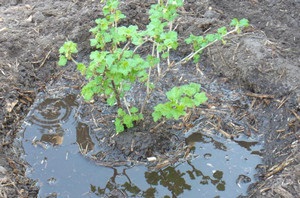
x,y
264,62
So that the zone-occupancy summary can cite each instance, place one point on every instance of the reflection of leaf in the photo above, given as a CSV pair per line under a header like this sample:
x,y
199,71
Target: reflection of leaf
x,y
221,186
198,173
150,192
191,175
204,182
218,174
152,178
173,180
129,187
93,188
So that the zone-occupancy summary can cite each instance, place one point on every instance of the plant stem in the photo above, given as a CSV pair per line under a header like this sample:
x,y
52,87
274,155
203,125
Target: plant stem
x,y
158,64
116,93
126,105
190,56
124,48
148,83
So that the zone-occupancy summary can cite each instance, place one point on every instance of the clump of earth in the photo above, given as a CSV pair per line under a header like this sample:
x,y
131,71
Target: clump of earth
x,y
263,62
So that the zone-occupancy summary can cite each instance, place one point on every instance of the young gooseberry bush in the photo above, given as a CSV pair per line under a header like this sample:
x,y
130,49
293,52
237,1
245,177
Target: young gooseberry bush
x,y
115,65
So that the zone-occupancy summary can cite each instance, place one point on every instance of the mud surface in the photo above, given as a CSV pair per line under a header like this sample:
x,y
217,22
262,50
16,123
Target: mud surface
x,y
264,62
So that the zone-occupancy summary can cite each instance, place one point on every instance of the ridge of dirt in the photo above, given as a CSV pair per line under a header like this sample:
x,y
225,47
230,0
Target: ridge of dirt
x,y
265,61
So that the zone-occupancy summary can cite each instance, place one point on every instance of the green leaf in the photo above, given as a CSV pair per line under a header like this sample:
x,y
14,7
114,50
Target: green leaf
x,y
156,115
196,58
121,112
178,112
195,86
119,126
93,42
200,98
101,68
127,119
62,60
126,86
81,67
210,38
70,47
190,39
110,59
165,55
62,49
187,101
190,89
222,31
111,100
169,39
98,80
243,23
108,37
134,110
174,94
234,22
108,91
87,93
151,86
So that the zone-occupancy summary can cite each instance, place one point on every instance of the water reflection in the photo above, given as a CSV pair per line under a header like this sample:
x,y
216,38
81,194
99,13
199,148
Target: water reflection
x,y
170,178
52,111
217,180
83,138
215,166
49,120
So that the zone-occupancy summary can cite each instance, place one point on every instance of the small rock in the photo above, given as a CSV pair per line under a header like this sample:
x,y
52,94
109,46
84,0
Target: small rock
x,y
210,14
151,159
38,17
2,170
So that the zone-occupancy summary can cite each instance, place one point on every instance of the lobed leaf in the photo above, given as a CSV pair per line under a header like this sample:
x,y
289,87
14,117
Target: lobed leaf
x,y
87,92
234,22
243,23
62,60
119,126
81,67
134,110
200,98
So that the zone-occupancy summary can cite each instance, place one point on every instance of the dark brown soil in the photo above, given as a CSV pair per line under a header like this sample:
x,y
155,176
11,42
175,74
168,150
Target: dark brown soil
x,y
264,62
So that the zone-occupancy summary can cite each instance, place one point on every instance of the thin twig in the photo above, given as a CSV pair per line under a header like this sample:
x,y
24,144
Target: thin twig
x,y
227,135
282,102
260,96
2,72
44,60
127,106
158,125
148,91
296,115
190,56
158,64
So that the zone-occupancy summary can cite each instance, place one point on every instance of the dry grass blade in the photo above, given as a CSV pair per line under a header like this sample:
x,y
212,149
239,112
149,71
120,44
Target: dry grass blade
x,y
260,96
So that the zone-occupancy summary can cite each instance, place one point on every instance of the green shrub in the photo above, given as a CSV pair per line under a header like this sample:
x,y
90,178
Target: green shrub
x,y
115,64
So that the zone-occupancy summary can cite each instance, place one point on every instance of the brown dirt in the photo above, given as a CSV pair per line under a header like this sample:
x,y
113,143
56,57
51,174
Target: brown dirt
x,y
264,62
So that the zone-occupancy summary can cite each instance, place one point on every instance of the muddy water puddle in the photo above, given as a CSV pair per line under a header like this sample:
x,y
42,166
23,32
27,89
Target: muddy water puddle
x,y
53,140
